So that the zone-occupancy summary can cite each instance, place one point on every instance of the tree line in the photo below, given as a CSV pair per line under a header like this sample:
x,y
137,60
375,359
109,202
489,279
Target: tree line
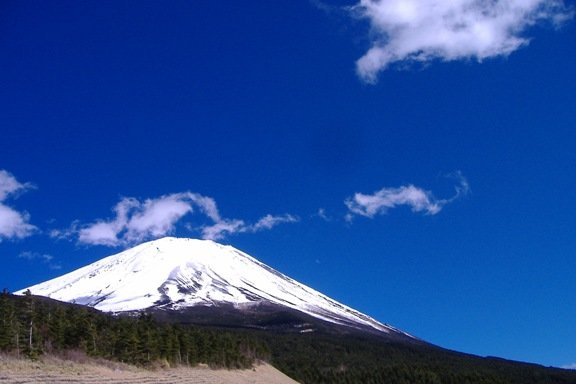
x,y
32,325
350,359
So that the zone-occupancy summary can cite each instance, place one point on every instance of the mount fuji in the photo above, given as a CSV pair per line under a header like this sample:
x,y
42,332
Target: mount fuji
x,y
208,282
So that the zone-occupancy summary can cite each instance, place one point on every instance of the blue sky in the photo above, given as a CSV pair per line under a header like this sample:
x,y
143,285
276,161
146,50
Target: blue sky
x,y
414,160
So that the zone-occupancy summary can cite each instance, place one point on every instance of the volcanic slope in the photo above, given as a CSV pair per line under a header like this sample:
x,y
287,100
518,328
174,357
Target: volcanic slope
x,y
180,274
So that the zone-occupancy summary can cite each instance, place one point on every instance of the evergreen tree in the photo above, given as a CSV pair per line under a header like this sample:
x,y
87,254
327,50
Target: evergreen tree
x,y
29,325
7,322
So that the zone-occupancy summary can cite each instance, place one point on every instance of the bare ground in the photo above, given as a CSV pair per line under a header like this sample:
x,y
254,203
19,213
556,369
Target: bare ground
x,y
52,370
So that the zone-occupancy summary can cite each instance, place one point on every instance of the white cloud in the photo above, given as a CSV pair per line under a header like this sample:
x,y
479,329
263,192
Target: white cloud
x,y
207,205
137,221
10,186
569,366
426,30
157,217
322,214
383,200
224,227
269,222
104,232
42,257
101,233
221,228
13,224
418,199
462,187
35,256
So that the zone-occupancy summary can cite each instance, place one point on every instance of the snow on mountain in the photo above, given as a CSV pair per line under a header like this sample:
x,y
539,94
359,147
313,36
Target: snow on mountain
x,y
178,273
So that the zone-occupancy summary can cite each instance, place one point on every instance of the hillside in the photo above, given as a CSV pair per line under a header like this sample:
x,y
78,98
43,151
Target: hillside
x,y
32,326
315,357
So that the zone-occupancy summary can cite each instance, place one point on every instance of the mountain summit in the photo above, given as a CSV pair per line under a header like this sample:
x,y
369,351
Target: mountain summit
x,y
179,274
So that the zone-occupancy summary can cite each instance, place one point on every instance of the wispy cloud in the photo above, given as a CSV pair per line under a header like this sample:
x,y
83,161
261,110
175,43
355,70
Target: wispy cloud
x,y
135,221
426,30
13,223
42,257
418,199
269,222
226,226
381,201
569,366
220,229
321,213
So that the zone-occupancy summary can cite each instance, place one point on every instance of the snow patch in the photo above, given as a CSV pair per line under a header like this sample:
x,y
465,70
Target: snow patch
x,y
180,273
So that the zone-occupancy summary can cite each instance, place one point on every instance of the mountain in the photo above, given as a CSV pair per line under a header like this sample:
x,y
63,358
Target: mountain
x,y
268,315
205,282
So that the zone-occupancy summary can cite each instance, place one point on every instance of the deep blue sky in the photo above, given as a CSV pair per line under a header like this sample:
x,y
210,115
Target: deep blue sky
x,y
155,106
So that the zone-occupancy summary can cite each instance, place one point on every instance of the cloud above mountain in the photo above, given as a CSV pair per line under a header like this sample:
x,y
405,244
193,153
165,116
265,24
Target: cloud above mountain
x,y
14,224
417,199
420,31
43,258
136,221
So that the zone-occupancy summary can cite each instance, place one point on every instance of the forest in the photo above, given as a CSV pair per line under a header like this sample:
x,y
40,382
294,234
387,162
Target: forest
x,y
32,326
359,359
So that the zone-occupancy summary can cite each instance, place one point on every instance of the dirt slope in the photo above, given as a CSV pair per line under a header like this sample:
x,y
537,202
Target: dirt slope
x,y
51,370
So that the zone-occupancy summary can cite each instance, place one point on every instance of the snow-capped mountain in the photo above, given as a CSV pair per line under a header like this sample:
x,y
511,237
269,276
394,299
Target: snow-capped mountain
x,y
177,274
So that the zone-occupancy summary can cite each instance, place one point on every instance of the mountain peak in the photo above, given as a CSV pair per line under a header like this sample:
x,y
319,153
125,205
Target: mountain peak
x,y
179,273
